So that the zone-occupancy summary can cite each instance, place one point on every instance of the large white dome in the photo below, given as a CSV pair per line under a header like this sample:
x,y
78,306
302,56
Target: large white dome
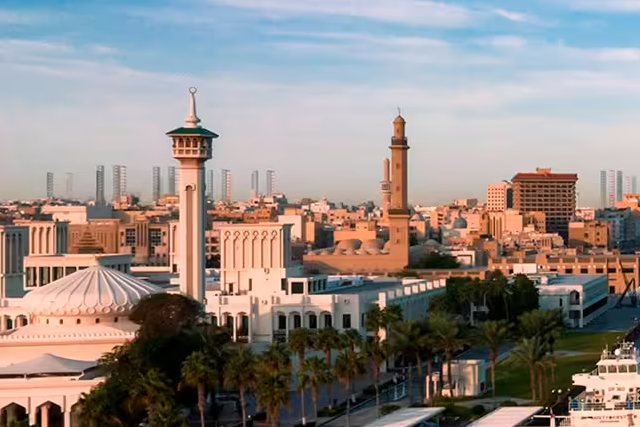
x,y
94,291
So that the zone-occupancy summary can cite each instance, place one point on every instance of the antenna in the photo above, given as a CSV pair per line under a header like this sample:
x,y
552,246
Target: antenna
x,y
399,111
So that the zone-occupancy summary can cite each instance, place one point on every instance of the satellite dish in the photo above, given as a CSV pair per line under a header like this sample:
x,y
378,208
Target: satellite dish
x,y
617,352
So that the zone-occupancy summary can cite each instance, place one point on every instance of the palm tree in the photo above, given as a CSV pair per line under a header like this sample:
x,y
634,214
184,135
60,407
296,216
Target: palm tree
x,y
314,375
448,336
150,391
381,319
273,391
349,364
299,341
529,352
327,340
377,353
548,325
198,371
493,334
405,341
240,375
351,339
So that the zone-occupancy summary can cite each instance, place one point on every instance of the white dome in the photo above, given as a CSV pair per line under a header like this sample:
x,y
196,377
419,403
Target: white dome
x,y
95,291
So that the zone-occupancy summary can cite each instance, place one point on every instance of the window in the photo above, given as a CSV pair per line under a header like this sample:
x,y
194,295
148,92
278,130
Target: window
x,y
283,285
155,237
560,302
568,270
130,237
599,270
297,288
584,271
346,321
282,322
328,321
297,321
250,284
313,321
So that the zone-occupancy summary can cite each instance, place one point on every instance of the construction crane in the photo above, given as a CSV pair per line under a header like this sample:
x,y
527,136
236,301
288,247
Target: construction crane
x,y
629,286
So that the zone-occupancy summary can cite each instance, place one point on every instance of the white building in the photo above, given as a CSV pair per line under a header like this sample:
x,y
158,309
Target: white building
x,y
263,295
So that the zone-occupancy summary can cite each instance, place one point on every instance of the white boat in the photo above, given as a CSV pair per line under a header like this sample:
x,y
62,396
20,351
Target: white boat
x,y
612,391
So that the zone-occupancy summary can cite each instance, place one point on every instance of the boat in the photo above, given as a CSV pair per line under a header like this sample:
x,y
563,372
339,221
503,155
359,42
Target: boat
x,y
612,391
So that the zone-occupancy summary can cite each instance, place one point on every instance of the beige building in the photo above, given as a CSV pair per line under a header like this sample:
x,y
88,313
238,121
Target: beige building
x,y
77,214
554,194
47,237
374,255
499,197
620,269
589,234
360,230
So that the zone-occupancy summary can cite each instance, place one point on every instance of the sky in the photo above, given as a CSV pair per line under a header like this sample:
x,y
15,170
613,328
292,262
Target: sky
x,y
309,88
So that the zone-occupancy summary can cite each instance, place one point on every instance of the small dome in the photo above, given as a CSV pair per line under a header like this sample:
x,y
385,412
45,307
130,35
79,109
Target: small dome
x,y
348,245
95,291
399,120
372,244
459,223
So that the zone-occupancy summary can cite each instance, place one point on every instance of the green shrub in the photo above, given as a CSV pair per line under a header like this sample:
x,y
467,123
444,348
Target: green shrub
x,y
387,409
478,410
508,403
457,411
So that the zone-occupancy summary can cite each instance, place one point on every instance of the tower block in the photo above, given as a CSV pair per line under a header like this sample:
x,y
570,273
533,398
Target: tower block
x,y
399,214
192,147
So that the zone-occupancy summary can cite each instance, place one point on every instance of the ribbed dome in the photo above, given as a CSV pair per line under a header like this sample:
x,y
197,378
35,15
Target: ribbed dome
x,y
95,291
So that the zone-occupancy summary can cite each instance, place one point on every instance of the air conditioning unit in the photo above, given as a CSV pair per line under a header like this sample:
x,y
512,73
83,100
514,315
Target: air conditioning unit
x,y
265,302
346,301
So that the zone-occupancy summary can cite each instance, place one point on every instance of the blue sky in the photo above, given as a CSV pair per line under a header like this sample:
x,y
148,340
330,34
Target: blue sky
x,y
310,87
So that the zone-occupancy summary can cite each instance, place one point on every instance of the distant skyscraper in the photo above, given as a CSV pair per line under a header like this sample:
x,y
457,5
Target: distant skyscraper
x,y
255,184
630,184
100,200
156,186
119,182
634,184
611,188
171,180
270,183
227,184
210,185
68,185
50,185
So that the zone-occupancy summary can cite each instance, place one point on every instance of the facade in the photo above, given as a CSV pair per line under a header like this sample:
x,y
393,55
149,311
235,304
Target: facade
x,y
374,256
622,227
100,199
41,270
255,184
263,294
589,234
192,147
47,237
553,194
620,269
50,185
227,186
499,197
611,188
14,246
270,183
156,184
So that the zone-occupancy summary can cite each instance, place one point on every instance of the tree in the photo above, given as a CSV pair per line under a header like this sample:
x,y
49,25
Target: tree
x,y
351,339
381,319
166,314
447,334
152,392
327,340
314,375
437,260
240,374
299,341
199,371
529,352
493,334
376,352
404,342
548,325
273,381
349,364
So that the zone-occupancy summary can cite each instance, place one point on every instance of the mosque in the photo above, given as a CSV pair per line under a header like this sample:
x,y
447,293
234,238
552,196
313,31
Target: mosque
x,y
52,338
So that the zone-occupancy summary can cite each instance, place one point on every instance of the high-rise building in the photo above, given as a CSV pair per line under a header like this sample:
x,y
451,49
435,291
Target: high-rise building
x,y
210,180
499,197
611,188
192,147
68,185
227,185
270,183
100,199
171,180
50,185
255,184
156,184
119,180
553,194
630,184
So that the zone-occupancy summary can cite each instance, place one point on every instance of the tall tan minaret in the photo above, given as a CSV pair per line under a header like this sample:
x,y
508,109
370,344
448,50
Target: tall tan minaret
x,y
398,217
385,187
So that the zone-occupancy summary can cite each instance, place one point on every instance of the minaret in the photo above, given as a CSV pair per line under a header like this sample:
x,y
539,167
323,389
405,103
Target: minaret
x,y
192,147
398,218
385,187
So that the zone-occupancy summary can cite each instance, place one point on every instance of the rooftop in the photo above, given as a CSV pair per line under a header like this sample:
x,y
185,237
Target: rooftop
x,y
377,285
507,416
573,279
406,417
